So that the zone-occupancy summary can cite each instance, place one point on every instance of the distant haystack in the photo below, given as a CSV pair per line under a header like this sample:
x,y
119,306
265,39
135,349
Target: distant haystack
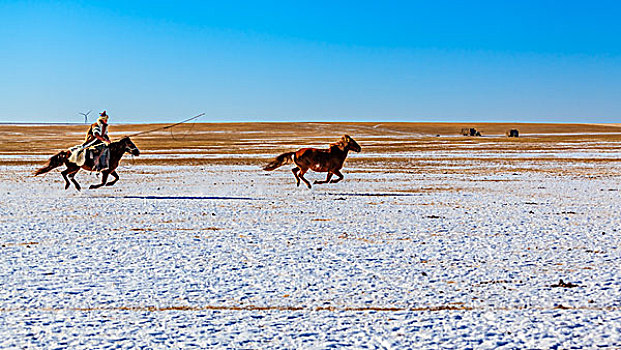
x,y
470,132
513,133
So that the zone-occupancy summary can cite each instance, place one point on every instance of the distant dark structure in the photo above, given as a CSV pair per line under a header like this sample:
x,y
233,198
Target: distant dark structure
x,y
513,133
470,132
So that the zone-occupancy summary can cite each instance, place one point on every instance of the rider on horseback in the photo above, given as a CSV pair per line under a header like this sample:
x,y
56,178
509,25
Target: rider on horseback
x,y
97,136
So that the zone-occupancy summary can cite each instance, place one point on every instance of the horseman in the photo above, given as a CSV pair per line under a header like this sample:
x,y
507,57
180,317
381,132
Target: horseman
x,y
97,137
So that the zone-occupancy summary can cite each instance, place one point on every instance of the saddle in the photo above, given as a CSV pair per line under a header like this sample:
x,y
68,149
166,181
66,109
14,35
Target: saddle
x,y
79,156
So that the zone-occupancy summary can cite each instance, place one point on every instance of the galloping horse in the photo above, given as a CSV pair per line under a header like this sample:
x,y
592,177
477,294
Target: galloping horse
x,y
117,150
320,160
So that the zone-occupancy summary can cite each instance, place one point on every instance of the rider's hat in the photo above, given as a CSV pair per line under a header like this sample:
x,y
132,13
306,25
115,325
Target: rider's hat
x,y
103,117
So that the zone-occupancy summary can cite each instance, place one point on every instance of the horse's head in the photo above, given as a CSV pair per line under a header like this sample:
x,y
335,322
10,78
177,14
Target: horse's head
x,y
130,147
347,143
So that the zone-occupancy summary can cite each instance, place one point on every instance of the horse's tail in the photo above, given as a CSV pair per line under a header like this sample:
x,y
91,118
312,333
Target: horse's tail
x,y
279,161
54,162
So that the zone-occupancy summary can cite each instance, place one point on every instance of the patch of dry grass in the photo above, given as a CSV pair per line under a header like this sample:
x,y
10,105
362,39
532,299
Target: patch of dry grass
x,y
47,139
261,141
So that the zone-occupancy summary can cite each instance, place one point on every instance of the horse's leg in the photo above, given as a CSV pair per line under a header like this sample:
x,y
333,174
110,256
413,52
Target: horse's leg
x,y
104,178
337,173
326,180
64,174
295,173
116,178
72,177
301,175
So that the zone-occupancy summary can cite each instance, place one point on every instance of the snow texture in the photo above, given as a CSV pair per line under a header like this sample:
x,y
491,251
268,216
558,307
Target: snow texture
x,y
235,257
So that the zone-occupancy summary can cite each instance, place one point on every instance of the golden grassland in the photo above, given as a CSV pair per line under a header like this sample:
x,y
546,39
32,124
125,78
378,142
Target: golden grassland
x,y
253,143
46,138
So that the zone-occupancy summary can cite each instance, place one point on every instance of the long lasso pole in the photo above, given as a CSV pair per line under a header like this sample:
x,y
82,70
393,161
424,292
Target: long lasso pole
x,y
167,126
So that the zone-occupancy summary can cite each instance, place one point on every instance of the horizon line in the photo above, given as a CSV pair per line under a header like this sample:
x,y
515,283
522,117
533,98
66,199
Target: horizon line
x,y
320,121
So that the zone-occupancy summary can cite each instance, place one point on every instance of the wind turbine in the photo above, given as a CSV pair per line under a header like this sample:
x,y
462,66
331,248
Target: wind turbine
x,y
86,116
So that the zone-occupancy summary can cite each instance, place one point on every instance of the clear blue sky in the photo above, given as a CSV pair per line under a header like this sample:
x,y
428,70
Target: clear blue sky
x,y
311,60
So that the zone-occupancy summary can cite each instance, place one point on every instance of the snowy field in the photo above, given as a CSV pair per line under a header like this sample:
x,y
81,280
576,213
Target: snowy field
x,y
230,256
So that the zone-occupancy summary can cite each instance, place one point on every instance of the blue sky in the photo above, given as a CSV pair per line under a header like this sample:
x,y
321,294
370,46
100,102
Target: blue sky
x,y
156,61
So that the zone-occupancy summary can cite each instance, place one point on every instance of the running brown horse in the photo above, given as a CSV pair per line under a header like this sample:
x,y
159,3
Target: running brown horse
x,y
320,160
117,150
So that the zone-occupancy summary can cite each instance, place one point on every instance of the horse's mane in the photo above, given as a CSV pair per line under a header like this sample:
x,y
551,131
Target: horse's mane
x,y
119,143
341,144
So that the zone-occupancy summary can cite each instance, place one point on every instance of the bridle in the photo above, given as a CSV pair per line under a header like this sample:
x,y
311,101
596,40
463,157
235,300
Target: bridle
x,y
130,148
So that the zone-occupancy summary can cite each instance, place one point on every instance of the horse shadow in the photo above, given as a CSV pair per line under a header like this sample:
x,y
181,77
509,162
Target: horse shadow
x,y
190,198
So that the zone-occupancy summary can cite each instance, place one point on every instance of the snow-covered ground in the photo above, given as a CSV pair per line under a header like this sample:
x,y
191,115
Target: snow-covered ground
x,y
235,257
